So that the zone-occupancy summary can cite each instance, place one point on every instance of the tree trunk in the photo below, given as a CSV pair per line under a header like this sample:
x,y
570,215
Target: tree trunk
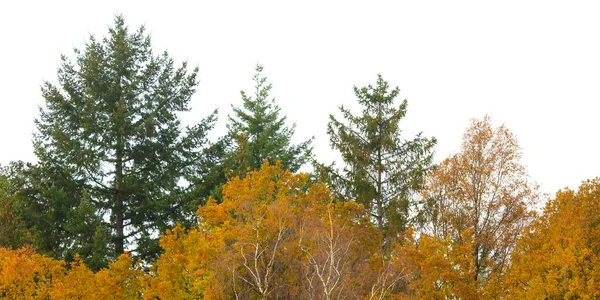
x,y
119,193
379,192
118,209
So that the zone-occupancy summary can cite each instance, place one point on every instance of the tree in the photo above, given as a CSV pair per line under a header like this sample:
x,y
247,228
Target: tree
x,y
484,189
558,255
14,232
439,268
336,242
111,127
275,235
260,133
381,168
53,214
25,274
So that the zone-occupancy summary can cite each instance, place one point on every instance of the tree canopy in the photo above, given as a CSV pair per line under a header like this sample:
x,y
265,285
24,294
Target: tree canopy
x,y
125,202
260,133
382,169
111,127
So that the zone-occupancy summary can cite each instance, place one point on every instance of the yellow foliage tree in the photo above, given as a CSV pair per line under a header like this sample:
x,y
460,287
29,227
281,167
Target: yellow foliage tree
x,y
27,275
184,270
438,268
78,283
559,255
275,235
483,189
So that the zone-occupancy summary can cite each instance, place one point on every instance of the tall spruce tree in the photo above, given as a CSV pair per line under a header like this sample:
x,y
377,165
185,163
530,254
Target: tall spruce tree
x,y
111,127
259,133
381,167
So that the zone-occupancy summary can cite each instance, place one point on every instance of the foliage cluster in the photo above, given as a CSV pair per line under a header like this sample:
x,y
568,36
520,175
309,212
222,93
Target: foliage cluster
x,y
125,203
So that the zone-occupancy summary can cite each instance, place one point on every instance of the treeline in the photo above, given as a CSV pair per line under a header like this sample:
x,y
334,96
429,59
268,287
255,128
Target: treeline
x,y
124,202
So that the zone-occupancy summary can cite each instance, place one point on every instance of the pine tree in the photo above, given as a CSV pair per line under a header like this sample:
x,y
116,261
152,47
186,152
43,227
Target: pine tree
x,y
259,133
111,126
381,168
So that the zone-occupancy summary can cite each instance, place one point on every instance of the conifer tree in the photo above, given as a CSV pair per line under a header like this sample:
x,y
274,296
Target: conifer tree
x,y
259,133
13,228
382,168
111,127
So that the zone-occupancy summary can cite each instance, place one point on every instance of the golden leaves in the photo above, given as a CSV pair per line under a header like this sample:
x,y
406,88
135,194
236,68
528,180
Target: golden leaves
x,y
558,256
27,275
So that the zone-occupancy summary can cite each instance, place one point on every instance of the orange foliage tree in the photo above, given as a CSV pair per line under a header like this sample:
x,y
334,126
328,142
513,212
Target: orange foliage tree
x,y
483,189
437,268
275,235
27,275
559,255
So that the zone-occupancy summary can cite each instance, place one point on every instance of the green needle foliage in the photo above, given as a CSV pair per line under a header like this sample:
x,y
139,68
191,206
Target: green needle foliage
x,y
111,128
381,167
259,133
13,229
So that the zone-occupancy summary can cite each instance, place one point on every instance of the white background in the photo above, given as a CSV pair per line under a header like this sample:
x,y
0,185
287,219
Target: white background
x,y
531,65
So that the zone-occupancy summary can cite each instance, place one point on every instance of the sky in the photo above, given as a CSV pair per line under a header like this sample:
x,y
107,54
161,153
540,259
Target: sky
x,y
533,66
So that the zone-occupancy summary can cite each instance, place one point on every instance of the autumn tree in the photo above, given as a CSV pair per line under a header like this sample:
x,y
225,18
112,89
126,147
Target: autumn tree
x,y
111,129
484,189
275,235
336,242
25,274
241,247
559,254
259,132
187,268
436,268
382,168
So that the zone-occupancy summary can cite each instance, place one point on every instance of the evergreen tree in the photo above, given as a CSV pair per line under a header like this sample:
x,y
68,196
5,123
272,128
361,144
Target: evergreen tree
x,y
381,168
111,129
14,232
58,211
259,133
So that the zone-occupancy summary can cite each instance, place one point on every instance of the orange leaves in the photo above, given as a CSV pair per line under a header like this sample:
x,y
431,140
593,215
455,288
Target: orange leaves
x,y
78,283
273,236
122,280
558,257
440,268
264,207
336,242
278,236
183,271
27,275
484,189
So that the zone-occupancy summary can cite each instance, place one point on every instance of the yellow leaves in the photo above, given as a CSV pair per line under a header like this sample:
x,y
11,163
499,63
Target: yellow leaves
x,y
484,189
183,271
25,274
558,255
275,235
77,284
440,268
122,280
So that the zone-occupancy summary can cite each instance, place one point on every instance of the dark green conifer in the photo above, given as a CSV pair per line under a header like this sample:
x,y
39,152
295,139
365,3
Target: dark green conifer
x,y
259,133
382,168
111,127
